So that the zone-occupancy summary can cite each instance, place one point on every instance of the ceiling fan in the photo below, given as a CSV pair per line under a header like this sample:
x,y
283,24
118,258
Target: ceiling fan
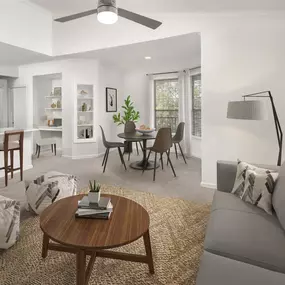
x,y
108,12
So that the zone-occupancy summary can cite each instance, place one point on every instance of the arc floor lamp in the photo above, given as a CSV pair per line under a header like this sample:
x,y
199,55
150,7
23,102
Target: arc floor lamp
x,y
255,110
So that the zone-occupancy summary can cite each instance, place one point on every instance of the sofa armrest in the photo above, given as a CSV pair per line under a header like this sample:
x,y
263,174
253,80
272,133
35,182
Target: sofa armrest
x,y
226,174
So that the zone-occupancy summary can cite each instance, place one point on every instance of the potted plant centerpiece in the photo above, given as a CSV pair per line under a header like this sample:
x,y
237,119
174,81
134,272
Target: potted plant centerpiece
x,y
130,114
94,192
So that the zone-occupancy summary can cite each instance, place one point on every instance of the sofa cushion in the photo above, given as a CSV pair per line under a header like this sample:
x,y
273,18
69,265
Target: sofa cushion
x,y
219,270
278,198
249,237
223,200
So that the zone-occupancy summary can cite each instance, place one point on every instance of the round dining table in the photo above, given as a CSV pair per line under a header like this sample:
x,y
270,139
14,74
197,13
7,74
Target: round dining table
x,y
139,165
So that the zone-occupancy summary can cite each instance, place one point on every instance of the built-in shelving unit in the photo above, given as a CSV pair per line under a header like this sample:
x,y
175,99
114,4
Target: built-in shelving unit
x,y
84,113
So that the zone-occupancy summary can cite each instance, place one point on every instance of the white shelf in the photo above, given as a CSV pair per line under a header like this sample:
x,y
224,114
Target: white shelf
x,y
54,109
50,129
53,97
85,111
84,98
85,125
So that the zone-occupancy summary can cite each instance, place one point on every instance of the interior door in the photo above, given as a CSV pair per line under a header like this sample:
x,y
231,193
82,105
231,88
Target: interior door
x,y
19,95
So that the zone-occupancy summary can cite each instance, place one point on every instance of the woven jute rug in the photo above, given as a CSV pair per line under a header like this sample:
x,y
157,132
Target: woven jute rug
x,y
177,232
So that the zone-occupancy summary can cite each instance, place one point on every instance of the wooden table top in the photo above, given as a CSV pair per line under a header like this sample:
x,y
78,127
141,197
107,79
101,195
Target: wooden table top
x,y
129,221
137,135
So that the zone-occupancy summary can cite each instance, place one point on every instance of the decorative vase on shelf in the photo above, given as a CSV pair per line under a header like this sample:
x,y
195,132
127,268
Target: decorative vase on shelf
x,y
94,192
53,105
84,107
58,104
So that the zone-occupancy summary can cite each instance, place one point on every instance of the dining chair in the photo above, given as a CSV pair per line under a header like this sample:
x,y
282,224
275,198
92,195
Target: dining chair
x,y
130,127
13,141
162,144
109,145
178,137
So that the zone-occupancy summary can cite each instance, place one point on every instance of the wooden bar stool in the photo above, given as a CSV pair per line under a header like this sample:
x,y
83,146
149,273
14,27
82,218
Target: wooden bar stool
x,y
13,140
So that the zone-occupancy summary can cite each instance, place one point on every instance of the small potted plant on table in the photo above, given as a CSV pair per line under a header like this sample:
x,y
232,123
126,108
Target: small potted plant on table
x,y
94,192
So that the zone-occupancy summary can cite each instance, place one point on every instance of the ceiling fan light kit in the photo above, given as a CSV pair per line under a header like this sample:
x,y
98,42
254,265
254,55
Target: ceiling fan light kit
x,y
108,12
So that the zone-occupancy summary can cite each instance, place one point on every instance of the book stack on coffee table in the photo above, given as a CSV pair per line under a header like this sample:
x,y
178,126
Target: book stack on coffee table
x,y
101,210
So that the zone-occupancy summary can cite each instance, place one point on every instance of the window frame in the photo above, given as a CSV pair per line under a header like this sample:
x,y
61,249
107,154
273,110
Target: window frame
x,y
172,78
192,76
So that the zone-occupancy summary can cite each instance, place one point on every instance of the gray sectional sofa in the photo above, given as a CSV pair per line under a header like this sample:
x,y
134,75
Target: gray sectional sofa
x,y
243,245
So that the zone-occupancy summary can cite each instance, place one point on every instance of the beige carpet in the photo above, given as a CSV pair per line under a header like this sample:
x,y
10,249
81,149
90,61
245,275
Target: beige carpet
x,y
177,232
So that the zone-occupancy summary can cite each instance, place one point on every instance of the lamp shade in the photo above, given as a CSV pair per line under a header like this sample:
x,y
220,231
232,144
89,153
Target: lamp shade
x,y
247,110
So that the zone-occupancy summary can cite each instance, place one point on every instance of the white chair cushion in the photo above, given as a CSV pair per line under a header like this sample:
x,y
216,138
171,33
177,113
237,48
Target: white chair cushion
x,y
9,222
49,188
11,145
45,142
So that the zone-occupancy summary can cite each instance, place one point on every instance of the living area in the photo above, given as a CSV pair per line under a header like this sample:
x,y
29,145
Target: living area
x,y
193,196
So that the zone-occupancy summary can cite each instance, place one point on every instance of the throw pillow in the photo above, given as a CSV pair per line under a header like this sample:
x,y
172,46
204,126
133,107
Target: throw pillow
x,y
40,194
9,222
49,188
242,167
259,188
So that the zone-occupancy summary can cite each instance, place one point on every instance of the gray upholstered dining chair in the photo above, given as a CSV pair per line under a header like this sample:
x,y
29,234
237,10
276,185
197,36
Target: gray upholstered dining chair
x,y
109,145
130,127
162,144
177,139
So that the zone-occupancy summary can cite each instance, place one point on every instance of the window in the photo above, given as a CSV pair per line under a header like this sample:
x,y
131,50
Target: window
x,y
166,103
196,106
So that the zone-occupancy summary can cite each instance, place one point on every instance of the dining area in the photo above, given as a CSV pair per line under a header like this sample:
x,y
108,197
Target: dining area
x,y
155,145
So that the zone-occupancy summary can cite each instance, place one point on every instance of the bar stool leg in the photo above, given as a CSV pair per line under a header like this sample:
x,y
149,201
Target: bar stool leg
x,y
21,161
12,162
6,167
39,151
54,149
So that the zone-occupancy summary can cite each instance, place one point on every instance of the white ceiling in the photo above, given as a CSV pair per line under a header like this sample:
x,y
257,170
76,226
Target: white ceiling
x,y
170,53
14,56
62,7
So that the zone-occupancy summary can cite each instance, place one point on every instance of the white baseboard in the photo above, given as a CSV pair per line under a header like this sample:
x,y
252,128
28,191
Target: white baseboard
x,y
86,156
208,185
27,167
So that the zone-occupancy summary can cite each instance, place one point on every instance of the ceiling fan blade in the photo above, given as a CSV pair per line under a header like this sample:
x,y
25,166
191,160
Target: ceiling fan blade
x,y
76,16
145,21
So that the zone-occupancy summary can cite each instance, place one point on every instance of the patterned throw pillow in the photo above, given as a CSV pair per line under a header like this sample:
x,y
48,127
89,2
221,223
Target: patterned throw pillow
x,y
240,180
259,188
49,188
9,222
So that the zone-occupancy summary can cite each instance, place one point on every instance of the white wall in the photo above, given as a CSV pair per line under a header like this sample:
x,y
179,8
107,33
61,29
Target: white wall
x,y
74,72
109,76
10,71
240,56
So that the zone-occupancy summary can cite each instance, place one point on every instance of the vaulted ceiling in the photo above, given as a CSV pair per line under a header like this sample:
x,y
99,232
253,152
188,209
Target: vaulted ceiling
x,y
61,7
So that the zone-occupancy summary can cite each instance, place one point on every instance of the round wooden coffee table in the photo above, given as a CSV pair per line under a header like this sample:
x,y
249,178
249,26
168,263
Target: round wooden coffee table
x,y
129,221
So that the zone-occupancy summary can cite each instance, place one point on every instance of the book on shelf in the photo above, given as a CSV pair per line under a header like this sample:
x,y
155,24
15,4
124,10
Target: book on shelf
x,y
104,203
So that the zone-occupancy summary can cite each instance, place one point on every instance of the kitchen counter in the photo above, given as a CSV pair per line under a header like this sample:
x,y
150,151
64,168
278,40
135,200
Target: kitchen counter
x,y
2,131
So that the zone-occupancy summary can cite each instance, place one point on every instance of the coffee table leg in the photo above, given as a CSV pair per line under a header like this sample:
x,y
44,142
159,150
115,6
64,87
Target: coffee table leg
x,y
147,245
45,246
80,267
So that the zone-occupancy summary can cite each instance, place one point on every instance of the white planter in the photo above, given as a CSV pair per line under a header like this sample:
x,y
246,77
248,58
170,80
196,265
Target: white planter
x,y
94,197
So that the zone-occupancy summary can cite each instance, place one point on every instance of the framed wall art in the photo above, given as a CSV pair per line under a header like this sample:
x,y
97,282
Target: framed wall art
x,y
111,99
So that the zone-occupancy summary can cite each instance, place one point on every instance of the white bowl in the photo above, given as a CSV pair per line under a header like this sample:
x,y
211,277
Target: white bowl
x,y
145,131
